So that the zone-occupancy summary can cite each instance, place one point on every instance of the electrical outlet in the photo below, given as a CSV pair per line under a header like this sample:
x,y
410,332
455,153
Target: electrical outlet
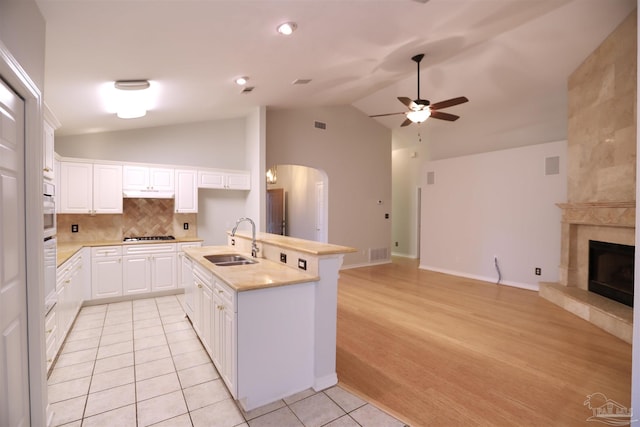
x,y
386,216
283,257
74,228
538,271
233,242
185,225
302,264
396,244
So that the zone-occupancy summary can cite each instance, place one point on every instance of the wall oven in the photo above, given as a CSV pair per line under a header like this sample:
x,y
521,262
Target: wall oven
x,y
49,209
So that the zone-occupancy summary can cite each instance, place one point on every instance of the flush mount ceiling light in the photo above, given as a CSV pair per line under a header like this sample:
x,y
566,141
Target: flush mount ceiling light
x,y
287,28
242,80
131,98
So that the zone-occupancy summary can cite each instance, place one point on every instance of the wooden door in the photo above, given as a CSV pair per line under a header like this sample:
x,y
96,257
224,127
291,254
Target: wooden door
x,y
14,369
276,211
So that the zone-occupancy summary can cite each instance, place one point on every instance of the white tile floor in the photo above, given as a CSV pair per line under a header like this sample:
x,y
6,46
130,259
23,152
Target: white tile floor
x,y
139,363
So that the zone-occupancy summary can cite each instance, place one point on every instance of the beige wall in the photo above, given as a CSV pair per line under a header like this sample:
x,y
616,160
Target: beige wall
x,y
602,120
355,152
22,31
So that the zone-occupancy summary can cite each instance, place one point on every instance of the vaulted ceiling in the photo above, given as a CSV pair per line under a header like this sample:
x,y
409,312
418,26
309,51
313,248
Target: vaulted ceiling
x,y
511,58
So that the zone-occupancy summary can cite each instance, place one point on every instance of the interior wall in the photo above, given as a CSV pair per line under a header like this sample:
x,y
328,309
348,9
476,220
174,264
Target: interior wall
x,y
255,203
499,204
213,144
355,152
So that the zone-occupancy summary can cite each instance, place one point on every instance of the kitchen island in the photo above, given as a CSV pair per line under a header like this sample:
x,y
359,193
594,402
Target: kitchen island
x,y
269,326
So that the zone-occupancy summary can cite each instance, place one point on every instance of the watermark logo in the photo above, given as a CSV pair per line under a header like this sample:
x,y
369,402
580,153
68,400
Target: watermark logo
x,y
607,411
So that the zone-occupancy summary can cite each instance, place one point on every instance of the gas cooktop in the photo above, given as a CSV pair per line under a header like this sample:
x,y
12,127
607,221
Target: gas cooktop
x,y
145,238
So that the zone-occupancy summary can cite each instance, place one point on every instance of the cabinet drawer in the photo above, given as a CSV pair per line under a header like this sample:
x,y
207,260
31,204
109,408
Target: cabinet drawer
x,y
101,251
50,326
226,294
202,274
137,249
181,246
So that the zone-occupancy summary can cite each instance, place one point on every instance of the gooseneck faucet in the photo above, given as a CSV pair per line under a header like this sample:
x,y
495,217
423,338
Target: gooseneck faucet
x,y
254,245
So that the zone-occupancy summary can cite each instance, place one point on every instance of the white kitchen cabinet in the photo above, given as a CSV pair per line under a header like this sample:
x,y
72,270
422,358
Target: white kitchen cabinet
x,y
70,282
48,152
106,272
144,178
90,188
51,336
223,333
149,267
186,198
224,180
185,264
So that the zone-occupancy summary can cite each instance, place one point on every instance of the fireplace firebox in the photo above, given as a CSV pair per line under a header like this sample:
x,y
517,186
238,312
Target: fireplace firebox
x,y
611,269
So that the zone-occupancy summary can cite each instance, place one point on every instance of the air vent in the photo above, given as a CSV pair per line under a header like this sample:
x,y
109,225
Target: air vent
x,y
431,178
552,165
378,254
320,125
247,89
301,81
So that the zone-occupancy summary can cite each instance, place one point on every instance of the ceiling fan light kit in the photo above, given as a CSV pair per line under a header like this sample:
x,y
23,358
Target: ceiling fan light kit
x,y
421,109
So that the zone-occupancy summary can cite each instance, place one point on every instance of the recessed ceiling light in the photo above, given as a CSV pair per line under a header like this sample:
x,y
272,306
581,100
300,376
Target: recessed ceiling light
x,y
287,28
242,80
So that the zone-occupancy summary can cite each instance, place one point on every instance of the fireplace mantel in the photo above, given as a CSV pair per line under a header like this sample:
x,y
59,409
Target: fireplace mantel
x,y
611,214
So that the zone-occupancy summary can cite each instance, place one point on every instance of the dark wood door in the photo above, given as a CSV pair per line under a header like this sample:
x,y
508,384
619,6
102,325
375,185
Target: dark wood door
x,y
275,211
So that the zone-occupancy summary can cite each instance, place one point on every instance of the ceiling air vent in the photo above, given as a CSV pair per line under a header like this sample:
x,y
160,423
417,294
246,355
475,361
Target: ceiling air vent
x,y
301,81
320,125
247,89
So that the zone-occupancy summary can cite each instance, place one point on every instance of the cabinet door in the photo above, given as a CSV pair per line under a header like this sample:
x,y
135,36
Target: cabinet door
x,y
238,181
228,347
186,200
107,189
136,274
135,177
106,277
163,272
48,159
207,313
197,305
211,179
161,179
76,194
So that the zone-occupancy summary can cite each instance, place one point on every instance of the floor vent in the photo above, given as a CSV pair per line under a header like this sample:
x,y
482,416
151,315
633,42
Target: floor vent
x,y
378,254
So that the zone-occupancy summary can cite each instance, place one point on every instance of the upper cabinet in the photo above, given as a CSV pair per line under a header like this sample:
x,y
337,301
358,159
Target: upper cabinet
x,y
186,200
224,180
48,156
143,178
90,188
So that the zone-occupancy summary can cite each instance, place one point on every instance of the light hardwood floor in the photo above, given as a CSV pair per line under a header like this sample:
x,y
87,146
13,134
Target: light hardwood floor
x,y
441,350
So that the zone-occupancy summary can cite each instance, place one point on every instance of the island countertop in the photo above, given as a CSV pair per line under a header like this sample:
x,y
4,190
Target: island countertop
x,y
294,243
263,274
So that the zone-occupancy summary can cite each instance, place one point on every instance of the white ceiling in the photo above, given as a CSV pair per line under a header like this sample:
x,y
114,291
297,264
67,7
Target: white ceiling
x,y
511,58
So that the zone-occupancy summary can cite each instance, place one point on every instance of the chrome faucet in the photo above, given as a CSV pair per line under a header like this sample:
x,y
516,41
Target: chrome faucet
x,y
254,245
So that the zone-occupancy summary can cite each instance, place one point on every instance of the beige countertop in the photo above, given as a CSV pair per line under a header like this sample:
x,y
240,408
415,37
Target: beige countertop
x,y
263,274
306,246
67,249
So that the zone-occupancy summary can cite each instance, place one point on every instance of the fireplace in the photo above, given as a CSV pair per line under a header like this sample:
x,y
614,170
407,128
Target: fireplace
x,y
611,269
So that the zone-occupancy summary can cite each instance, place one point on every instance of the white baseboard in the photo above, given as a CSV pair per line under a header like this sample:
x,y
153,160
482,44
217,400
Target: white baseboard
x,y
365,264
491,280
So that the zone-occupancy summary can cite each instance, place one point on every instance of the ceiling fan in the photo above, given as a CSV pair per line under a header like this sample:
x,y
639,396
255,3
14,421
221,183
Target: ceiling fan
x,y
421,109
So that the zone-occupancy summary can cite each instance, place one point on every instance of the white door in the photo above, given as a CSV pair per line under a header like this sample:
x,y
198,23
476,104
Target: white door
x,y
14,370
107,189
136,274
163,272
106,280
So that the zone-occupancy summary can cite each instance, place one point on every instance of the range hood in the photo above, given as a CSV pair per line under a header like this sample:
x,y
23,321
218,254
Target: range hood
x,y
147,194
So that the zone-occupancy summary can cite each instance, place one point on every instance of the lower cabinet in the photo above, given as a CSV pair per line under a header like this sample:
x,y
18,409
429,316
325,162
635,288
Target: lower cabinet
x,y
149,268
213,316
106,272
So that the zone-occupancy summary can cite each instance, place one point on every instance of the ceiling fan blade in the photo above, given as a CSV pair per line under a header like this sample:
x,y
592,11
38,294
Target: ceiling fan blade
x,y
388,114
407,122
444,116
406,101
449,103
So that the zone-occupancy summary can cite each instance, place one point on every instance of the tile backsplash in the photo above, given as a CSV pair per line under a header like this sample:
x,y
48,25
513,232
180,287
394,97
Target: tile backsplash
x,y
140,217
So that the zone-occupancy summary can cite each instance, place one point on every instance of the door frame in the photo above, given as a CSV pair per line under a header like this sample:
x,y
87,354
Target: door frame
x,y
14,75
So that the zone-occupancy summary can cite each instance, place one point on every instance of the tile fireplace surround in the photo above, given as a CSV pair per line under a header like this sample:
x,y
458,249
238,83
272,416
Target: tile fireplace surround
x,y
604,221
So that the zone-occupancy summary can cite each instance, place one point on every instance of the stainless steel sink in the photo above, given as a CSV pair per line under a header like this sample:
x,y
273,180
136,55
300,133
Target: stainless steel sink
x,y
229,259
